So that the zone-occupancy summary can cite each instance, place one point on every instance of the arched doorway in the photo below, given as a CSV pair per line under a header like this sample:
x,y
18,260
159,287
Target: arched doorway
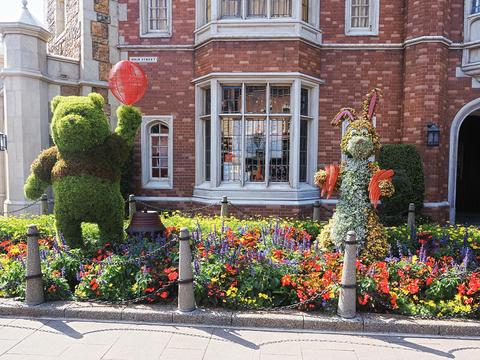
x,y
467,115
468,171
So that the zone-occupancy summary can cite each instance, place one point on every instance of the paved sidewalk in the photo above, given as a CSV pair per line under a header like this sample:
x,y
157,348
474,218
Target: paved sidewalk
x,y
90,340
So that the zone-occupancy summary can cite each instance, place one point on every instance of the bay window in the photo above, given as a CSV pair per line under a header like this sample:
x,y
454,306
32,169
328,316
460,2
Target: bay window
x,y
257,18
257,134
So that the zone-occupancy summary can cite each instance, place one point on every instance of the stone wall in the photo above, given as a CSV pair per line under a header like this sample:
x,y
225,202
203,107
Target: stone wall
x,y
66,43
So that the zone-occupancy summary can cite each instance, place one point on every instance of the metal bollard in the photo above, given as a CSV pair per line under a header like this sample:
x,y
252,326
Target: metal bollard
x,y
316,211
347,302
132,206
34,289
411,217
186,295
44,202
224,208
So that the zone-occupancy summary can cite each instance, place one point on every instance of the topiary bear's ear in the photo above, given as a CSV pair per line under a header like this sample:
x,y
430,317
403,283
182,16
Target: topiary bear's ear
x,y
55,101
97,100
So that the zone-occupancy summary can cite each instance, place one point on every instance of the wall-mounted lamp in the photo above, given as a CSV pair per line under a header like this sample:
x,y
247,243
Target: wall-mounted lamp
x,y
3,142
433,135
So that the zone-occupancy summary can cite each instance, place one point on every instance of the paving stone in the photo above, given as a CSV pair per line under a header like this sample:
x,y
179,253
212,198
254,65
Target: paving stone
x,y
182,354
332,323
93,311
399,324
149,313
268,320
204,316
457,327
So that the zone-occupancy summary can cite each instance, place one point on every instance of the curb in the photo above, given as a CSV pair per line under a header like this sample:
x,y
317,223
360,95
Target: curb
x,y
292,320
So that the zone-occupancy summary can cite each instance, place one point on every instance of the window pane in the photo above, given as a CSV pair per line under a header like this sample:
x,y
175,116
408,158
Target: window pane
x,y
475,6
157,12
280,99
231,148
305,12
303,149
281,8
257,8
155,129
231,99
208,11
360,13
231,8
207,108
304,103
164,140
255,143
208,147
256,99
279,149
163,129
155,173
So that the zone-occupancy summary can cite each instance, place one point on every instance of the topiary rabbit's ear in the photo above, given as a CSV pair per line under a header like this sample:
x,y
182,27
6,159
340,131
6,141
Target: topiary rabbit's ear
x,y
54,103
370,103
97,100
345,114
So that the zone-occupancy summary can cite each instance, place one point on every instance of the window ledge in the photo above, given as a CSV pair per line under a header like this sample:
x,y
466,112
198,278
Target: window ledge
x,y
258,28
259,194
165,34
361,32
158,184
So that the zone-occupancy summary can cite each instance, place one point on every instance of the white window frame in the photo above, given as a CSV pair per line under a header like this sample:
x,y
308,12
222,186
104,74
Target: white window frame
x,y
374,19
147,181
267,190
257,27
144,25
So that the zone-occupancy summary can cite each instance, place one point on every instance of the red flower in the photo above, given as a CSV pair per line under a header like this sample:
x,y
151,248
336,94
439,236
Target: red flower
x,y
164,294
461,289
429,280
52,288
94,284
173,276
363,300
149,290
413,287
393,301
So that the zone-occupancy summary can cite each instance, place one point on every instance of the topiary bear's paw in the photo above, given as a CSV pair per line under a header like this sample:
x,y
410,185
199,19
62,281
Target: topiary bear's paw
x,y
129,120
34,187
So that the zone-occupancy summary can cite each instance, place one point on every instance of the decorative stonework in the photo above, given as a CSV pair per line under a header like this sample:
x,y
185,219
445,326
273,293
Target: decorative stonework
x,y
68,42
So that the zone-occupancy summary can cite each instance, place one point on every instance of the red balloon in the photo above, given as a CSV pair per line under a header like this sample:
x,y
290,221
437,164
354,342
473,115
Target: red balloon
x,y
127,82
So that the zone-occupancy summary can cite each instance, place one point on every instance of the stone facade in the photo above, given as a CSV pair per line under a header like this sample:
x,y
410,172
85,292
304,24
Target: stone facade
x,y
66,43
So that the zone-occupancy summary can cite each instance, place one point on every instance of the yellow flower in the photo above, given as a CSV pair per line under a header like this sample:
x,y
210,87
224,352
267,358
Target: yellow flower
x,y
263,296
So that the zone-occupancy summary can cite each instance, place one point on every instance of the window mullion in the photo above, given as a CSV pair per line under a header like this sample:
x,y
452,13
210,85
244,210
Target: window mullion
x,y
242,167
295,133
267,137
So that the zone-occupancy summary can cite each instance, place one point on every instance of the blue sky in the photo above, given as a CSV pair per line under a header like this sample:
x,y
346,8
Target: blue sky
x,y
10,8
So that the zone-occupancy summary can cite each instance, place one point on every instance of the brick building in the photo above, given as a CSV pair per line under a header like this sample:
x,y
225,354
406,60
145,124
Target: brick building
x,y
214,65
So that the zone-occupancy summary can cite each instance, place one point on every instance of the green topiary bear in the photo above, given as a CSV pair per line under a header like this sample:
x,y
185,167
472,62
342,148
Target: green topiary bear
x,y
84,166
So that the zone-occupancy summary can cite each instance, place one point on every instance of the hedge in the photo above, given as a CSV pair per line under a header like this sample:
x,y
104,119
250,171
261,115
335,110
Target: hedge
x,y
409,181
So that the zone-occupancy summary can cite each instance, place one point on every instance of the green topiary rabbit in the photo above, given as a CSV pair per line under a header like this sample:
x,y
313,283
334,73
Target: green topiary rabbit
x,y
84,166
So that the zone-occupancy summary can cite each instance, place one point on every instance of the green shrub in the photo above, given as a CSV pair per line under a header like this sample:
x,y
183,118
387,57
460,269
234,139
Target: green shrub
x,y
405,160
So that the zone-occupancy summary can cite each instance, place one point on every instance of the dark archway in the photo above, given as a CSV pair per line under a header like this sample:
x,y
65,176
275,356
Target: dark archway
x,y
468,171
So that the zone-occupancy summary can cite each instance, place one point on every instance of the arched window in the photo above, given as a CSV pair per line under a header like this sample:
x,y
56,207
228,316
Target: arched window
x,y
157,152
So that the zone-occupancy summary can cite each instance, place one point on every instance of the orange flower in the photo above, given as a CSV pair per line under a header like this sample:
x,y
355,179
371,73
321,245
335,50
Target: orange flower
x,y
286,280
413,287
94,284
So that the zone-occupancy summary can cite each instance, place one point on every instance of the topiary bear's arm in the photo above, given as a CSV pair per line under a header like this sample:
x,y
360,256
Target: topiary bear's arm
x,y
387,189
41,176
129,120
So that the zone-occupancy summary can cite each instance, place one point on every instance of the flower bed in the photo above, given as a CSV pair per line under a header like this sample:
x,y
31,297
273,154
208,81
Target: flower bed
x,y
243,264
